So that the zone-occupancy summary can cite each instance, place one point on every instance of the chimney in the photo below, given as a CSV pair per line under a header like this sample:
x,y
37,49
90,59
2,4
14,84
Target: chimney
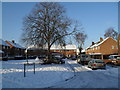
x,y
13,41
93,43
101,39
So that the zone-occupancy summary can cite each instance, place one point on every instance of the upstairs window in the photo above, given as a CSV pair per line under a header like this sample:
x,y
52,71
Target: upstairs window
x,y
112,47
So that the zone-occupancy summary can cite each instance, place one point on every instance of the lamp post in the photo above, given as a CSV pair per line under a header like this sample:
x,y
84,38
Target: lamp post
x,y
26,55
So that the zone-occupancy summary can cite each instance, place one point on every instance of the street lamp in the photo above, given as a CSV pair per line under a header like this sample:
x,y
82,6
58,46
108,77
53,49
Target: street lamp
x,y
26,55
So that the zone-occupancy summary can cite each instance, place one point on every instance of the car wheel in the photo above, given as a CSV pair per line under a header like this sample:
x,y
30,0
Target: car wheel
x,y
104,68
93,68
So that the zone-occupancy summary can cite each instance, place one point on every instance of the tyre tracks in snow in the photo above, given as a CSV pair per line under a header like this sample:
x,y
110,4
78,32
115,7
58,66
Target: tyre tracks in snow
x,y
74,67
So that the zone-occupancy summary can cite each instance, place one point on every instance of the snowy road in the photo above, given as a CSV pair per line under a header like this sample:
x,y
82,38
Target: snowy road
x,y
86,78
69,75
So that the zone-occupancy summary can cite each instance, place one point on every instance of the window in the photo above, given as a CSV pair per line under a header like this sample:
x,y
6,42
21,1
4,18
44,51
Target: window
x,y
112,47
98,47
3,47
116,47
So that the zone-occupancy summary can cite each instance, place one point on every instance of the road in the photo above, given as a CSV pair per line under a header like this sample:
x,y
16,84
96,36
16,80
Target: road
x,y
86,78
69,75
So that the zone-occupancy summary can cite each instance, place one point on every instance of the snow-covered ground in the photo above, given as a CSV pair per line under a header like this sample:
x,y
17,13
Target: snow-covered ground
x,y
68,75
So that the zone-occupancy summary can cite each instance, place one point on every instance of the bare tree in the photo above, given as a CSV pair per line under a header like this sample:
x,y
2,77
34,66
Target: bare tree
x,y
46,25
80,39
110,32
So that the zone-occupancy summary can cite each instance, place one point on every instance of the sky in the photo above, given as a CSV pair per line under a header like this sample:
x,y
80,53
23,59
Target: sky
x,y
95,17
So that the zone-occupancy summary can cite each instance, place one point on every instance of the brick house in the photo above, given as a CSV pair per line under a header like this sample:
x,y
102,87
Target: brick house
x,y
103,48
15,49
68,50
35,50
5,48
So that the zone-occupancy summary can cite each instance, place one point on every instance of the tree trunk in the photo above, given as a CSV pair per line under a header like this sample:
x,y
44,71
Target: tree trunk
x,y
49,53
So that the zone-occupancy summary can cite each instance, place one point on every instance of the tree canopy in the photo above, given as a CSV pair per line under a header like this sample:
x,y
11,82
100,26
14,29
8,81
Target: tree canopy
x,y
110,32
47,24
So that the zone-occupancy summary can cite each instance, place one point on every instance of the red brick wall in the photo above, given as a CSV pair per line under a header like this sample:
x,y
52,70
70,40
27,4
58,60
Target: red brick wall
x,y
66,52
108,47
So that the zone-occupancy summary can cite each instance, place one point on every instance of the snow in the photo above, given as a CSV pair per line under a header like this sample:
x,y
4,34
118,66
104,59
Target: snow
x,y
1,51
95,53
68,75
58,47
97,44
3,43
16,45
45,75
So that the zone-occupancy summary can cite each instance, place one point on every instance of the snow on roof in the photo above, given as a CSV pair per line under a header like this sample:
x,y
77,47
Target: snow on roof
x,y
54,47
95,53
83,50
33,47
1,51
97,44
15,44
3,43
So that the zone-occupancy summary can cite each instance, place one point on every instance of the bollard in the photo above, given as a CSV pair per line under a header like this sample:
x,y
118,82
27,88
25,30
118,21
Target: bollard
x,y
24,70
34,68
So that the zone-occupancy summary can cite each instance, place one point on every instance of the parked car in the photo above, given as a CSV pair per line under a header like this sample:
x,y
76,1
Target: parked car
x,y
53,59
73,57
117,61
83,59
113,60
113,57
97,64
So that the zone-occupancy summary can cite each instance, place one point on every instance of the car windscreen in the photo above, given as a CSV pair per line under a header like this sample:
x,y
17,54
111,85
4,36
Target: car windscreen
x,y
99,61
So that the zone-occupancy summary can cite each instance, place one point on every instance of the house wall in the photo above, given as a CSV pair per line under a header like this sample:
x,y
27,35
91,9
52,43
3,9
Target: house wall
x,y
36,52
14,51
5,49
95,50
67,53
109,47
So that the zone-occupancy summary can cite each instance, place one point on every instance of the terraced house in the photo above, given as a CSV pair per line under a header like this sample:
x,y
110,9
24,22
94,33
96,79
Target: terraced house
x,y
68,50
103,48
5,48
16,50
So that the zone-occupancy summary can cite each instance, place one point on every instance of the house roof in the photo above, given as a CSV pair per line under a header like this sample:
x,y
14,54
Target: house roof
x,y
54,47
99,43
15,45
95,53
58,47
83,50
34,47
3,43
